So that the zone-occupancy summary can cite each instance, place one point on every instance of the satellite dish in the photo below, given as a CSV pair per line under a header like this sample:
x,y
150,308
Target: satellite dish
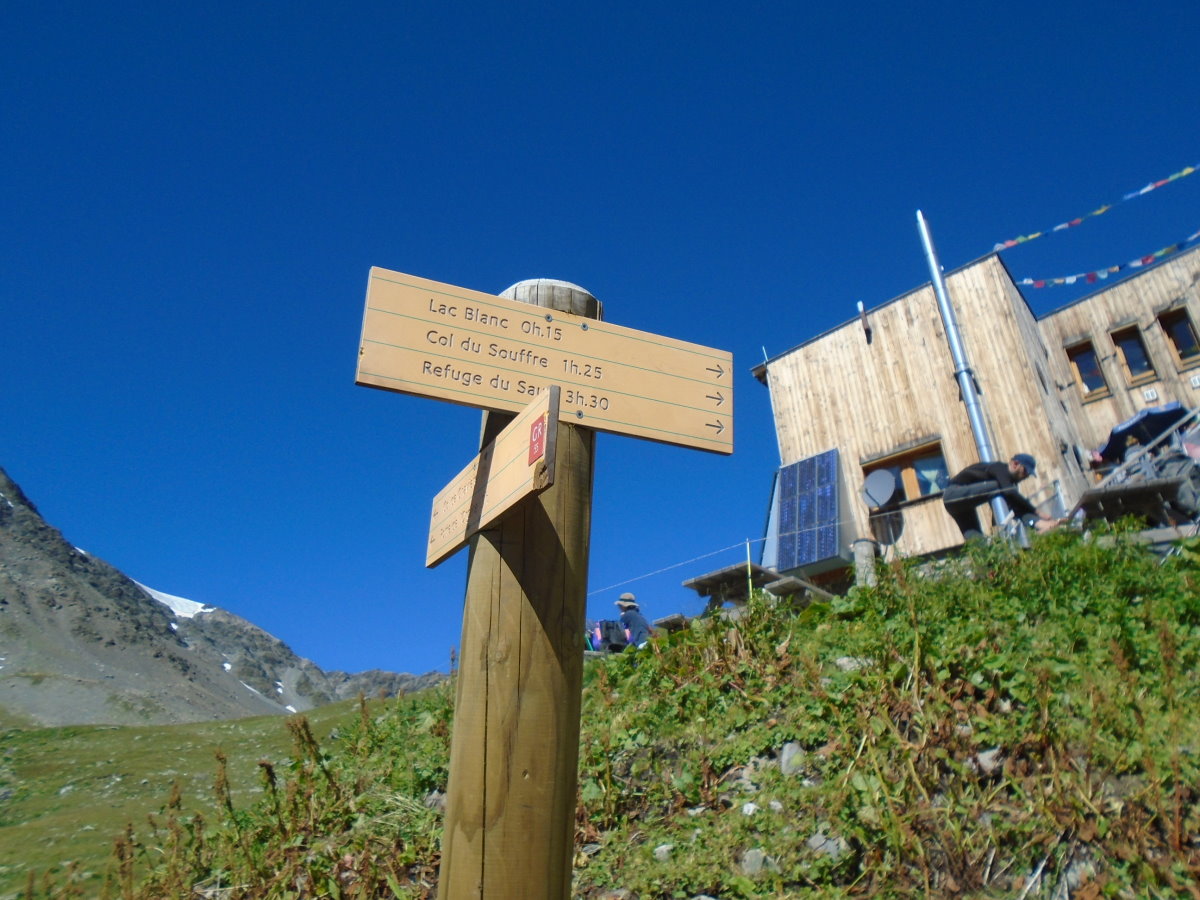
x,y
879,488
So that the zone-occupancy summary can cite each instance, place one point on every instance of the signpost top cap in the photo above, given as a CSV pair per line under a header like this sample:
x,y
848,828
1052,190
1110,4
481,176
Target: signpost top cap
x,y
555,294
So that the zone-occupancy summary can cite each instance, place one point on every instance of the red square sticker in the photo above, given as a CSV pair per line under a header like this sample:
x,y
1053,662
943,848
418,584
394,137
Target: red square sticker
x,y
537,439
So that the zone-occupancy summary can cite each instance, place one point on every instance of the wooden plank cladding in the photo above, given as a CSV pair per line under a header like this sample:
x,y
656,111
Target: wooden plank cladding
x,y
878,387
1158,308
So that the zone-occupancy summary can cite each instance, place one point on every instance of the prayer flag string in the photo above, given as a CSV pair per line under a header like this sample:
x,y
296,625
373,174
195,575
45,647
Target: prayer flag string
x,y
1101,274
1079,220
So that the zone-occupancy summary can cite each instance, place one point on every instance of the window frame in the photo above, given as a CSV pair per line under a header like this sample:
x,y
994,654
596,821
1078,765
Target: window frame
x,y
1133,331
1075,350
907,481
1174,316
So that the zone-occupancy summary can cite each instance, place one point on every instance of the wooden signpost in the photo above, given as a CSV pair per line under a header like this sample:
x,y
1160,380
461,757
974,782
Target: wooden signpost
x,y
510,806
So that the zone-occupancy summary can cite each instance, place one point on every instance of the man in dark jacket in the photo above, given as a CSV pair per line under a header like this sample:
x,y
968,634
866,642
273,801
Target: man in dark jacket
x,y
980,482
637,629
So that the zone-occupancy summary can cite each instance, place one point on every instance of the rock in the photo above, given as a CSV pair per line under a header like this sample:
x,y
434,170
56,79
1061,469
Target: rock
x,y
791,759
744,782
987,762
754,861
435,800
833,847
851,663
749,809
663,852
1080,870
759,763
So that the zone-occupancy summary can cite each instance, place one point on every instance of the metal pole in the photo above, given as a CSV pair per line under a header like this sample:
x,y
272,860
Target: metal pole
x,y
749,574
962,367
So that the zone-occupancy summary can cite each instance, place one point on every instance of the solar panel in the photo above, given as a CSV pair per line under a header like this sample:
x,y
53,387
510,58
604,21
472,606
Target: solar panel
x,y
809,519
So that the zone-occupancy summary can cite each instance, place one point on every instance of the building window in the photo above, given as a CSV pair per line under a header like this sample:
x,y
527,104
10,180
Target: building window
x,y
1133,353
918,473
1181,335
1086,366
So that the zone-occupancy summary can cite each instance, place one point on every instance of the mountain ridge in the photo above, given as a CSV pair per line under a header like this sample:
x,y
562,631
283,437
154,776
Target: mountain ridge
x,y
83,643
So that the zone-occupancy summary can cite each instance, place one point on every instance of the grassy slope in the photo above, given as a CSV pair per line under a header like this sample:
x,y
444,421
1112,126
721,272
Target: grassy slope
x,y
1024,717
69,792
1076,663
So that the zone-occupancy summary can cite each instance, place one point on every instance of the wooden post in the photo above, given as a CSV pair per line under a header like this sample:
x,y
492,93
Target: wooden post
x,y
514,753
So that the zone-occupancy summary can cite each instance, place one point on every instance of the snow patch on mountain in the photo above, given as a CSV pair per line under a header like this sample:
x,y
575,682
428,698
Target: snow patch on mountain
x,y
185,609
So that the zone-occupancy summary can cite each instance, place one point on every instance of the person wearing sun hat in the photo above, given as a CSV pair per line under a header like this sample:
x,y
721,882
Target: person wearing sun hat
x,y
637,629
979,482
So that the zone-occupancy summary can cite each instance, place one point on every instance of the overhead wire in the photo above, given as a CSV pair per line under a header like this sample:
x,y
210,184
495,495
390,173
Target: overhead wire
x,y
686,562
985,496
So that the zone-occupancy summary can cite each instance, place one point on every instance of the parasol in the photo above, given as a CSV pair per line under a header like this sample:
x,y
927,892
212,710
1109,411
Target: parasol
x,y
1144,428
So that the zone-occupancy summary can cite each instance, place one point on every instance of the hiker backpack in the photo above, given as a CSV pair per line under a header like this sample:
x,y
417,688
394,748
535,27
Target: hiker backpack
x,y
608,636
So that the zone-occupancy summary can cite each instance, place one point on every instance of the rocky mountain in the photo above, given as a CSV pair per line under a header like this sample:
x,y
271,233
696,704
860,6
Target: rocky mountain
x,y
81,643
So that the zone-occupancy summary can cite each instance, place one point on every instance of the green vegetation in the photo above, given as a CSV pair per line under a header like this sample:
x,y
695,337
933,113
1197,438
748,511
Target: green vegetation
x,y
1011,724
67,793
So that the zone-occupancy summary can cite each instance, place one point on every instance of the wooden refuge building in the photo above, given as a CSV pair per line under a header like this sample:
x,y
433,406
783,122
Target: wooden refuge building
x,y
878,394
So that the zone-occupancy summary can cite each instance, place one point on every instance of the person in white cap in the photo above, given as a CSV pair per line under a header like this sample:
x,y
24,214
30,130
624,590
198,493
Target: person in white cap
x,y
637,629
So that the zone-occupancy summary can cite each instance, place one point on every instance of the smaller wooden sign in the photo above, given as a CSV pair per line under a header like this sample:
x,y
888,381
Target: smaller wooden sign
x,y
519,462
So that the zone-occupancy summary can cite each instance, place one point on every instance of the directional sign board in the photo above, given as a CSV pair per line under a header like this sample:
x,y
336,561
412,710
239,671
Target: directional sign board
x,y
519,462
436,340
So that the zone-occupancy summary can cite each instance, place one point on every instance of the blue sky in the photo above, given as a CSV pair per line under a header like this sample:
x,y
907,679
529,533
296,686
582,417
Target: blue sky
x,y
193,196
